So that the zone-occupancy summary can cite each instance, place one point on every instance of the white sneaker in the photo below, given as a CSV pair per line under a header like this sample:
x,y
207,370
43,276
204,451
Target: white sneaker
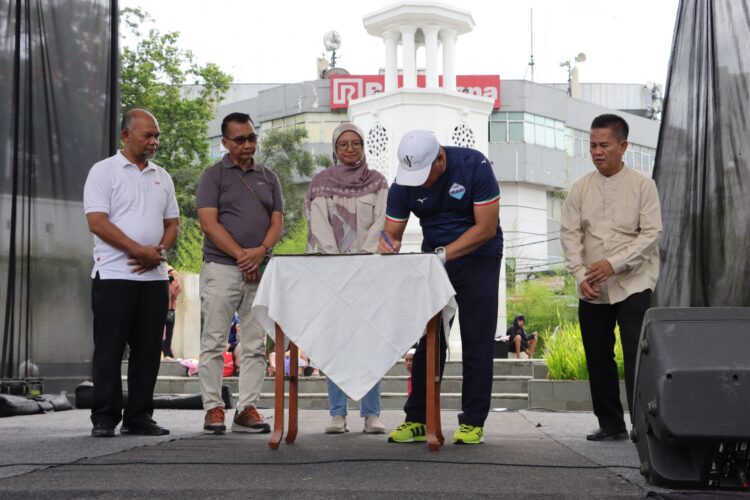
x,y
338,425
373,425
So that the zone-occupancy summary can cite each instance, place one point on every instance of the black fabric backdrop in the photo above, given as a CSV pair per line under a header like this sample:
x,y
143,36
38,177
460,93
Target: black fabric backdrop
x,y
702,165
58,105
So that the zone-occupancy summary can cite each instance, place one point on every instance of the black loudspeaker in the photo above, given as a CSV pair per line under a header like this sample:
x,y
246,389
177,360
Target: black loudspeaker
x,y
691,410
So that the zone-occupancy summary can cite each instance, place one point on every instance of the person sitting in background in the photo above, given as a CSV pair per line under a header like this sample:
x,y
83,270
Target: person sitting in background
x,y
233,345
174,292
303,362
519,340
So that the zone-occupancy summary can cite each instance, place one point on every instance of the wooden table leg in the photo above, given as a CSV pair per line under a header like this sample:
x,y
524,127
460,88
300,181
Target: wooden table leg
x,y
278,417
293,392
434,432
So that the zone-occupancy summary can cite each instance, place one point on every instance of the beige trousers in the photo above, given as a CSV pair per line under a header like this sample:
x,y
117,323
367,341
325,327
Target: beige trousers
x,y
224,291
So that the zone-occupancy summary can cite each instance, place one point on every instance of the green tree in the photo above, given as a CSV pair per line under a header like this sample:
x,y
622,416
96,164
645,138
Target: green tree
x,y
282,152
157,75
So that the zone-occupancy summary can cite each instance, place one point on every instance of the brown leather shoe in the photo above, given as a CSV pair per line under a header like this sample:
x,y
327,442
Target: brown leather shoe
x,y
249,420
214,421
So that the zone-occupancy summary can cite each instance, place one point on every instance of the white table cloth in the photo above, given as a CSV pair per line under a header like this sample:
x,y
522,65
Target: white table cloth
x,y
354,315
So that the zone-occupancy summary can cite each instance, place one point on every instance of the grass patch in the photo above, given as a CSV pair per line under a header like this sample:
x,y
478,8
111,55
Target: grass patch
x,y
565,357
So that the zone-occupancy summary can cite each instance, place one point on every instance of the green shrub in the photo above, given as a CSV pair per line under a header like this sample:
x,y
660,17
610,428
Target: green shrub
x,y
187,255
295,239
565,357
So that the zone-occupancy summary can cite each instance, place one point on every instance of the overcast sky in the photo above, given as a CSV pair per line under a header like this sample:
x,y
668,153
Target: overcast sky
x,y
277,41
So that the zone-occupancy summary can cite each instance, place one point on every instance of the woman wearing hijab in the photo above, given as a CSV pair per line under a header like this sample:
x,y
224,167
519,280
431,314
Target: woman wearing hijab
x,y
345,210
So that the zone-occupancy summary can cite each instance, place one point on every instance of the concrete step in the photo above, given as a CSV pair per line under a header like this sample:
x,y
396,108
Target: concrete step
x,y
502,367
395,401
166,369
389,401
451,384
517,367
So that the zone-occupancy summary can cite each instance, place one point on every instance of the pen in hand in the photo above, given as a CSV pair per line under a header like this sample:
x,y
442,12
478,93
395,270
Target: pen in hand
x,y
387,240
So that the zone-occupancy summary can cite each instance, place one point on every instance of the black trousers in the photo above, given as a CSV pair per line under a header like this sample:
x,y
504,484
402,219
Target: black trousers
x,y
166,345
126,313
475,279
598,333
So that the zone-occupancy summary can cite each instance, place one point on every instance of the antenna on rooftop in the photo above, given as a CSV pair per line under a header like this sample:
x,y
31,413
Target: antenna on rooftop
x,y
531,57
332,42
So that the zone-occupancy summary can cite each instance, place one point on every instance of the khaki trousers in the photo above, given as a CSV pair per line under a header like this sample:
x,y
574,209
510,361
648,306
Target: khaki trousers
x,y
224,291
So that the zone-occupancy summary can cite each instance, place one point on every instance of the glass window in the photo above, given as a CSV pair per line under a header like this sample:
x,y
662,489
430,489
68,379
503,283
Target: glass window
x,y
498,131
528,132
560,142
569,142
515,132
629,158
528,117
328,128
549,137
539,120
499,117
515,116
538,134
315,132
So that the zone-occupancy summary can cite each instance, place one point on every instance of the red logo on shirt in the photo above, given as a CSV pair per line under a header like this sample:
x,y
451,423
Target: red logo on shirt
x,y
157,183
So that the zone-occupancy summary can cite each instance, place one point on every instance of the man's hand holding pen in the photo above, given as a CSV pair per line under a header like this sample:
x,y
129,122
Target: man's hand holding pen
x,y
388,244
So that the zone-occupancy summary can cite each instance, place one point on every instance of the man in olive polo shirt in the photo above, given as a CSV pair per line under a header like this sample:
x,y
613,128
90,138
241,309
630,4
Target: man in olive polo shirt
x,y
240,208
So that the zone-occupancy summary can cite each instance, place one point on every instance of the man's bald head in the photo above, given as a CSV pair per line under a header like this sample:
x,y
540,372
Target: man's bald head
x,y
140,136
132,115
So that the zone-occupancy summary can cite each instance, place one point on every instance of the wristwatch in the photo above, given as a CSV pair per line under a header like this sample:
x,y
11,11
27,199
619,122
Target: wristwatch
x,y
442,254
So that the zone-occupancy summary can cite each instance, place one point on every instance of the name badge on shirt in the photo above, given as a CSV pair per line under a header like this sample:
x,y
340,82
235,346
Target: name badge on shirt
x,y
457,191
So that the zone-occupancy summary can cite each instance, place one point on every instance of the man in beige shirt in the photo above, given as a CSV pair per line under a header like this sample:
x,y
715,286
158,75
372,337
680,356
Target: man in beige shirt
x,y
609,232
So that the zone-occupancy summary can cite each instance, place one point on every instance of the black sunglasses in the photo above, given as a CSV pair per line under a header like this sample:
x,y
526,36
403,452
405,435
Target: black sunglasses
x,y
240,139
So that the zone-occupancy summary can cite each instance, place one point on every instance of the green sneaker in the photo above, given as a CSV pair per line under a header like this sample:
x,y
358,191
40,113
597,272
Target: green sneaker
x,y
468,434
409,432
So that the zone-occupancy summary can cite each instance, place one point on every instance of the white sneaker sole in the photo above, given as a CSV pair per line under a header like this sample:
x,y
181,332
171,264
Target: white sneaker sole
x,y
375,430
250,430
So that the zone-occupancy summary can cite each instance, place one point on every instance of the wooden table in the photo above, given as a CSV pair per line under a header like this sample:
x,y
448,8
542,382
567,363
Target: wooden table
x,y
435,437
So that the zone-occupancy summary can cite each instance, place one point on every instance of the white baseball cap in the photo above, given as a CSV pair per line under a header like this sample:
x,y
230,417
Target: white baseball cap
x,y
416,152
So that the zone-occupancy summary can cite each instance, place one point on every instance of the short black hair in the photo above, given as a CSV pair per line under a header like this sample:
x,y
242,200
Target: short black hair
x,y
617,123
237,118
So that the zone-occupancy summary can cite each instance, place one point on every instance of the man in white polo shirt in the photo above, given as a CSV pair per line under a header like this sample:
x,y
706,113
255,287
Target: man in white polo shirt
x,y
131,208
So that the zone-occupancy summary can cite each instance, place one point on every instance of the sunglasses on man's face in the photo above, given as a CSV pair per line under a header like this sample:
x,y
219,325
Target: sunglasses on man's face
x,y
241,139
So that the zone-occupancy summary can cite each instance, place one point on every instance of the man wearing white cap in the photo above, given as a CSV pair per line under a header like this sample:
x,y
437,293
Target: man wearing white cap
x,y
454,194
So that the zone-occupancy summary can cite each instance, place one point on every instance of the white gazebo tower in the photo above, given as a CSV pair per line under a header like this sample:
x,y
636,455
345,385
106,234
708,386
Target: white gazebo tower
x,y
456,118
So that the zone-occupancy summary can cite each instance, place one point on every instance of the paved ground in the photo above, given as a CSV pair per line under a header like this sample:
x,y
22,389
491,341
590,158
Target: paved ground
x,y
527,454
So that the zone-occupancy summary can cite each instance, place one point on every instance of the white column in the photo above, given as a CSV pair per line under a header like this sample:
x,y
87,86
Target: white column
x,y
431,55
410,55
390,38
448,36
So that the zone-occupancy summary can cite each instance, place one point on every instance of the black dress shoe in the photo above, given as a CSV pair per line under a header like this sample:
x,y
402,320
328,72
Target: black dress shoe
x,y
152,429
103,431
602,435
